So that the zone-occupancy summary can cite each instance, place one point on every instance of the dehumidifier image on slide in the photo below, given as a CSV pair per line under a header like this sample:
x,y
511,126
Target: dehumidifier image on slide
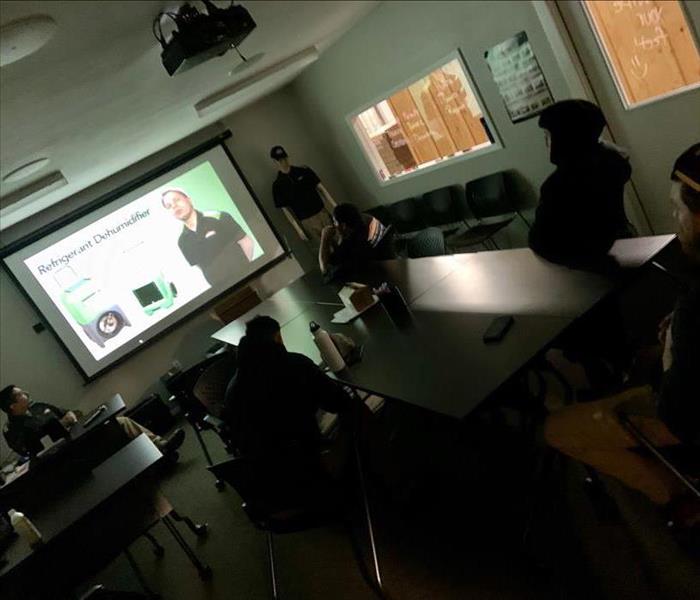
x,y
146,281
89,306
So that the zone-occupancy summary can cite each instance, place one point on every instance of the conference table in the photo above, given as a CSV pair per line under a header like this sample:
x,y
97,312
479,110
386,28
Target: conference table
x,y
439,362
87,522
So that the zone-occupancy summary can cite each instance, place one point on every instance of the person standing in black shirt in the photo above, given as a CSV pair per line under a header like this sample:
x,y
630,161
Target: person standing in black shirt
x,y
298,191
211,240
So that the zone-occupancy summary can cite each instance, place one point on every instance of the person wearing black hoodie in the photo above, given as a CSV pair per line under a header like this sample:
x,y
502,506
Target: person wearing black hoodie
x,y
581,211
591,431
272,400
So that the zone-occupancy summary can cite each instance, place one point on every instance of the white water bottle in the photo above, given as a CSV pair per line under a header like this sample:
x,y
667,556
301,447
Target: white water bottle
x,y
329,353
25,528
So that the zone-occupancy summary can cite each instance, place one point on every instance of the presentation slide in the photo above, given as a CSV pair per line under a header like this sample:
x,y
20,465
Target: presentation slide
x,y
122,274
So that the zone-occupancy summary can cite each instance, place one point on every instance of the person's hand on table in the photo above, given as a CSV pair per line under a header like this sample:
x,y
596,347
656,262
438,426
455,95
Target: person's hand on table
x,y
69,419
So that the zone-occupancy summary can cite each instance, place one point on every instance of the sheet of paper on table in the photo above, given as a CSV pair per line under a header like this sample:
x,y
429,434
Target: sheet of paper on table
x,y
348,313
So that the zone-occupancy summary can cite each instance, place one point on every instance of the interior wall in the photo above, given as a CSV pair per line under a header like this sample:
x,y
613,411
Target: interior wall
x,y
279,119
388,48
38,363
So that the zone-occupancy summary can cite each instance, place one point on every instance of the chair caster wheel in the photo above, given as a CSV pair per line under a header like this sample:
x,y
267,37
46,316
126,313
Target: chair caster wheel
x,y
205,573
220,485
201,529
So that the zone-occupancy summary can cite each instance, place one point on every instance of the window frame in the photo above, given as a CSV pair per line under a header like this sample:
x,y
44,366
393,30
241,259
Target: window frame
x,y
496,145
611,68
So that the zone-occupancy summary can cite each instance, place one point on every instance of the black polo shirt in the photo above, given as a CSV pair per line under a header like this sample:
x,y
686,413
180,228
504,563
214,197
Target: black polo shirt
x,y
24,432
297,191
213,243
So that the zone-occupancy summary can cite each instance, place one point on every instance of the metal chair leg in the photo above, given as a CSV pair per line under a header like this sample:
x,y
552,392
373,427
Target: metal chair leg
x,y
220,485
204,570
368,517
198,433
273,574
643,439
158,550
199,529
139,575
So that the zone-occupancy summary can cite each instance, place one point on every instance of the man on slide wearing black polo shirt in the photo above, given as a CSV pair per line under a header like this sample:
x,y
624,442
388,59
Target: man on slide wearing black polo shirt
x,y
300,194
211,240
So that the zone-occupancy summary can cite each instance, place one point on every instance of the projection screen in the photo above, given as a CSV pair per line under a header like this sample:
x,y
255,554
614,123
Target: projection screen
x,y
110,280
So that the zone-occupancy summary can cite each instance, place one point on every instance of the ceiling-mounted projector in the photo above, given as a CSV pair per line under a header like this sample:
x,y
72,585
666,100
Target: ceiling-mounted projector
x,y
200,36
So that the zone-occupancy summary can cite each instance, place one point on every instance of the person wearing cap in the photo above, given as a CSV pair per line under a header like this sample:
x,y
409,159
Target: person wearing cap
x,y
298,191
592,433
211,240
28,422
581,209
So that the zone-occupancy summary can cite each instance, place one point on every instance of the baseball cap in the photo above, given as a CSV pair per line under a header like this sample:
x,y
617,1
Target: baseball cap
x,y
687,168
278,153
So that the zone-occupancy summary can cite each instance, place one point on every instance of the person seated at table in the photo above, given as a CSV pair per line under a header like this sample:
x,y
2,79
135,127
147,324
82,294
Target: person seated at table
x,y
581,210
29,420
592,433
273,398
353,239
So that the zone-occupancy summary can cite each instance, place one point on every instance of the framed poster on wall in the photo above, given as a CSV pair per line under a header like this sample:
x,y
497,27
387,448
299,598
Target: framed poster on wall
x,y
519,77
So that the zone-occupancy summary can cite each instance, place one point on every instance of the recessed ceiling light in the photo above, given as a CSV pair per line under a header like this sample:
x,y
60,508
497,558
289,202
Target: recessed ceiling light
x,y
33,190
24,37
25,170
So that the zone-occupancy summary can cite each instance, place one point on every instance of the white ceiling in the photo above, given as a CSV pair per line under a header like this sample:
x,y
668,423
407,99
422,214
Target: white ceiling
x,y
96,98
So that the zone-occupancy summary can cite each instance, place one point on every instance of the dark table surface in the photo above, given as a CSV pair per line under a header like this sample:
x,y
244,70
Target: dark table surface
x,y
59,520
441,363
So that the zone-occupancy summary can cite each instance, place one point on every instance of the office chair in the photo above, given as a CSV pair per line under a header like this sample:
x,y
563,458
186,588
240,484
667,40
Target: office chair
x,y
429,242
285,491
406,216
442,208
209,394
380,212
488,200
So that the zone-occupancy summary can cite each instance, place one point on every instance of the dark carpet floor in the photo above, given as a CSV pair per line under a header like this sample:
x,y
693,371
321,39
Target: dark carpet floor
x,y
451,526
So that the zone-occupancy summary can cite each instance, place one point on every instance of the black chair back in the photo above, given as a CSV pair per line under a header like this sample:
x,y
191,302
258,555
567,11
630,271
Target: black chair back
x,y
406,216
487,196
429,242
380,212
442,207
210,388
